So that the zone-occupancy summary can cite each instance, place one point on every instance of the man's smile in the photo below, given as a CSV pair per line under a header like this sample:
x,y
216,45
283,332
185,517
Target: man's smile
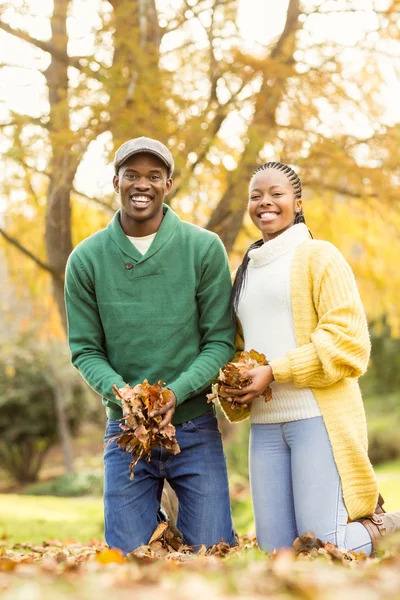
x,y
141,200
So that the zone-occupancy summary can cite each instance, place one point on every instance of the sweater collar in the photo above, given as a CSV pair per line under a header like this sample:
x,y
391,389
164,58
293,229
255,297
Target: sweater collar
x,y
164,232
283,243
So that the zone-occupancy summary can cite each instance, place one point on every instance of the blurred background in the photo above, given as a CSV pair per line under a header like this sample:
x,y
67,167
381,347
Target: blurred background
x,y
226,84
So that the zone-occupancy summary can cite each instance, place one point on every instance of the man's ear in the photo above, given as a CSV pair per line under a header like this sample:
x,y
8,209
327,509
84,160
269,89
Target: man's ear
x,y
169,184
116,183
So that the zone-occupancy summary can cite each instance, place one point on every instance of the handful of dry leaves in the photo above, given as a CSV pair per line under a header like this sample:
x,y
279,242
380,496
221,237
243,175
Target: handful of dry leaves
x,y
233,375
140,432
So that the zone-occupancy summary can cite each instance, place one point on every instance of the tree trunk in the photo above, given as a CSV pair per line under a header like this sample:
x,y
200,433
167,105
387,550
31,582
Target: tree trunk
x,y
136,91
64,164
227,218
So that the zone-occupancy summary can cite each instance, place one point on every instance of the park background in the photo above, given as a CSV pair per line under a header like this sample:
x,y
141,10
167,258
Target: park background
x,y
226,84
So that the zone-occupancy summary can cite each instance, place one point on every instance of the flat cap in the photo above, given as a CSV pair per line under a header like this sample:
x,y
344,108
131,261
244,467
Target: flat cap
x,y
143,144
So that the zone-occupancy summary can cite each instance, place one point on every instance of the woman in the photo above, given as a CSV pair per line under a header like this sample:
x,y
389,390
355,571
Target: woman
x,y
297,302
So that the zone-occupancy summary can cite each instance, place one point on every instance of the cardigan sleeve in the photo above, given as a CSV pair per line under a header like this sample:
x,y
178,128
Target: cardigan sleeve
x,y
340,344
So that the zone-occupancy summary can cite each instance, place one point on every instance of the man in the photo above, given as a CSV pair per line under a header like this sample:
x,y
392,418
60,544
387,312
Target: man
x,y
147,298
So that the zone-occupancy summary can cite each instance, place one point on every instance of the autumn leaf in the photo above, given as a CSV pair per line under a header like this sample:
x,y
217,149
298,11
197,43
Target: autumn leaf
x,y
158,532
167,568
6,564
233,375
140,432
111,555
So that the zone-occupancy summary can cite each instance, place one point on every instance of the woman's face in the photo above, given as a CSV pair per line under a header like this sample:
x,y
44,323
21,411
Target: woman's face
x,y
272,205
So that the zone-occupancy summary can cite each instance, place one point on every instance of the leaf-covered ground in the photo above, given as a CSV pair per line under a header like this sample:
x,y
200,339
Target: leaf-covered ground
x,y
57,570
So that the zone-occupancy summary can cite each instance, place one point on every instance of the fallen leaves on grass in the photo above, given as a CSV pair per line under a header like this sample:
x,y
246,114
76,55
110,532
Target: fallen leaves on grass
x,y
310,571
140,432
234,376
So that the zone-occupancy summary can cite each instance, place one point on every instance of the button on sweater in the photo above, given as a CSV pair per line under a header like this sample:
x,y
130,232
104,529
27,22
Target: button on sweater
x,y
164,317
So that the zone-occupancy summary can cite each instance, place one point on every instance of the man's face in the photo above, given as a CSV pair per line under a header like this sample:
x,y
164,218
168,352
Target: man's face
x,y
142,183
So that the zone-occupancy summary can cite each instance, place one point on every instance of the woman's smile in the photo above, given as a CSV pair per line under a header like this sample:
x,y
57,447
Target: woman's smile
x,y
267,216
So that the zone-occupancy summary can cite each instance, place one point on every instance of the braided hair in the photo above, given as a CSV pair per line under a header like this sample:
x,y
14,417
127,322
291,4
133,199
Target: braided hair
x,y
240,279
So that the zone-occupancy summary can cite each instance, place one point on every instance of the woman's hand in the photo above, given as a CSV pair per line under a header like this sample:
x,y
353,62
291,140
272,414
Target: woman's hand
x,y
261,377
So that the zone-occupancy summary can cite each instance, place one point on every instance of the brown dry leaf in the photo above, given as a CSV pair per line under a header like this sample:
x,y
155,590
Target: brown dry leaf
x,y
140,432
268,394
158,549
156,570
162,543
61,557
334,552
221,549
202,551
7,564
233,376
172,540
159,531
306,543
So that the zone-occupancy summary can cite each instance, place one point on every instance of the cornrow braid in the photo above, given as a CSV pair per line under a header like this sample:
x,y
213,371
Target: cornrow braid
x,y
290,174
240,279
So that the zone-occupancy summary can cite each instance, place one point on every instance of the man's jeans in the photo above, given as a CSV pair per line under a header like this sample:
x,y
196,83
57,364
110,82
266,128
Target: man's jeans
x,y
197,474
296,487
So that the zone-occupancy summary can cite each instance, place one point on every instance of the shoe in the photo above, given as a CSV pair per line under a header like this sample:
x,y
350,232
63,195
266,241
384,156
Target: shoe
x,y
380,525
379,510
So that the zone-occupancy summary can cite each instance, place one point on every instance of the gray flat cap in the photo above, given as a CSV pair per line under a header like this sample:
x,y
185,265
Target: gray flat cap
x,y
143,144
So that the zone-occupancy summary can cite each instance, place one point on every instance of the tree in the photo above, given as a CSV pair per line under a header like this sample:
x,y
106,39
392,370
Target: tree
x,y
28,419
179,72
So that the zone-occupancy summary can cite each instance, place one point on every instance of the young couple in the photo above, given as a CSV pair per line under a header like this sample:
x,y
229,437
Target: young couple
x,y
149,297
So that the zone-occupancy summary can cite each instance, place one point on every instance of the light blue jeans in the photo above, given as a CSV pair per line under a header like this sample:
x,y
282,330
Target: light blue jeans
x,y
296,487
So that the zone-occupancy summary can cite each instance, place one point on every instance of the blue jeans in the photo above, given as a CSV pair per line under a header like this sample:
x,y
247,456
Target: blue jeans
x,y
296,487
198,475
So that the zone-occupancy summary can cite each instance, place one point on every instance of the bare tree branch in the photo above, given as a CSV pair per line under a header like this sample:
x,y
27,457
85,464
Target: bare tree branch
x,y
11,66
72,61
24,120
320,10
102,203
181,19
30,255
319,184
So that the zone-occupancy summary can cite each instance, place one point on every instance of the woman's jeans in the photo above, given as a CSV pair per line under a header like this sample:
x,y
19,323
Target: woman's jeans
x,y
197,474
296,487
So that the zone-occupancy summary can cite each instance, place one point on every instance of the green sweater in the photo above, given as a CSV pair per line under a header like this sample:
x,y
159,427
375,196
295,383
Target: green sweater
x,y
162,316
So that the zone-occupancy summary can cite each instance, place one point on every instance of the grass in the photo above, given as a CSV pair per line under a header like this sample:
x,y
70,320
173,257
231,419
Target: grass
x,y
389,484
37,518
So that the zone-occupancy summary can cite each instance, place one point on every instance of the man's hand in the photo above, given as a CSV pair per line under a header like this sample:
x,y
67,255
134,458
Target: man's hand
x,y
167,410
261,378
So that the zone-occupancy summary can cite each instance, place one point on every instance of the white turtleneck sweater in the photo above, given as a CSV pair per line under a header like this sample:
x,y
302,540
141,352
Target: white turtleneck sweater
x,y
265,312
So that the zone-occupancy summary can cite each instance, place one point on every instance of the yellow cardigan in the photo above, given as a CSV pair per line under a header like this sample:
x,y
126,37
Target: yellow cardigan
x,y
333,351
